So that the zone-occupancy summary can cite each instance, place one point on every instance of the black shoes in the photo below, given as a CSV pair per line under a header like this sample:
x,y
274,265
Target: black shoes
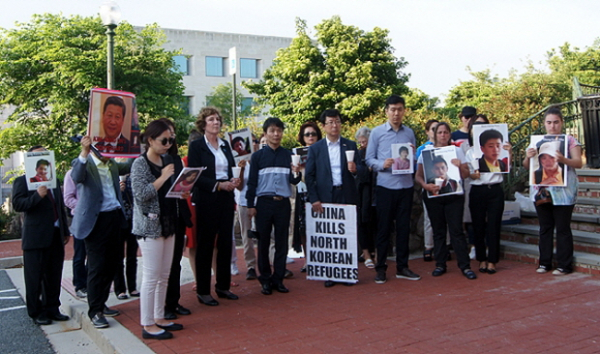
x,y
438,271
42,320
110,312
179,310
281,288
59,317
266,289
99,321
226,294
380,278
161,335
407,274
329,283
207,300
170,315
469,274
171,327
288,274
251,275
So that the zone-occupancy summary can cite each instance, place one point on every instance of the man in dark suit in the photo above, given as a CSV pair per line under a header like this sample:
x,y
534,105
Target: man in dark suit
x,y
97,220
330,177
44,234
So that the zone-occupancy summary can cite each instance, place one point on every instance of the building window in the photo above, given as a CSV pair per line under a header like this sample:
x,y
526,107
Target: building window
x,y
247,104
214,66
186,104
249,68
181,64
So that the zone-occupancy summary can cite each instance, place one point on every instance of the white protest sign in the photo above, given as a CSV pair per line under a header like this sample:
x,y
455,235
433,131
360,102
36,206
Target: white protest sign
x,y
331,247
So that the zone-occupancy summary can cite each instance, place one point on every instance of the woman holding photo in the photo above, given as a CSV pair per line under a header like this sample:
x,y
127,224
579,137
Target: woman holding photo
x,y
446,212
154,224
558,209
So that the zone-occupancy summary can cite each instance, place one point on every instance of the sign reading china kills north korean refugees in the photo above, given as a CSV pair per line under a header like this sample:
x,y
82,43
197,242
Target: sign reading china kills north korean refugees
x,y
331,248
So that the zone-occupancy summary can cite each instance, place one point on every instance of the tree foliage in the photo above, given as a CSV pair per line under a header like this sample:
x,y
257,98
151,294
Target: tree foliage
x,y
221,97
49,65
344,68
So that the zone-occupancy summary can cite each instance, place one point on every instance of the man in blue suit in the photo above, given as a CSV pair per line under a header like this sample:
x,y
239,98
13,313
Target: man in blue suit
x,y
97,220
330,177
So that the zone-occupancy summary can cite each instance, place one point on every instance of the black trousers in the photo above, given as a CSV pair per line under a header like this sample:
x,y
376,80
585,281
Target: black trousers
x,y
486,203
103,258
42,269
272,214
80,269
559,216
393,204
215,226
174,284
122,285
446,214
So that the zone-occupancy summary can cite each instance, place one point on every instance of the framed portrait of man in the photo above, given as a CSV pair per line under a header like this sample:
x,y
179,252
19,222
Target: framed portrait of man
x,y
40,169
439,170
113,123
241,144
490,142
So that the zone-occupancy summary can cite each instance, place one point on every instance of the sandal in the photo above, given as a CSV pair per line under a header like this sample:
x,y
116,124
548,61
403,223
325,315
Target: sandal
x,y
134,293
428,255
122,296
369,264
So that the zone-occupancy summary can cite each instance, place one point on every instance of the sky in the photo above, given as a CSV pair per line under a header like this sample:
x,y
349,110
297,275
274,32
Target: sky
x,y
440,39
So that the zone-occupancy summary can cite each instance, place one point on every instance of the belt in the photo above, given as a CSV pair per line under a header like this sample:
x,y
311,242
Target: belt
x,y
277,198
337,187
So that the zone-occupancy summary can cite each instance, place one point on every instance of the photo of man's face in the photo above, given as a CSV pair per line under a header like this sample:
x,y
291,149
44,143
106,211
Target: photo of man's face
x,y
491,149
440,170
112,121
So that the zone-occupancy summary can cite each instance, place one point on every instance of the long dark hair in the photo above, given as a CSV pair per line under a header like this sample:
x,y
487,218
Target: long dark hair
x,y
173,149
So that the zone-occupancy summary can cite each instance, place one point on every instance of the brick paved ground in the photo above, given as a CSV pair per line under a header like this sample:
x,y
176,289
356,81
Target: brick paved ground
x,y
513,311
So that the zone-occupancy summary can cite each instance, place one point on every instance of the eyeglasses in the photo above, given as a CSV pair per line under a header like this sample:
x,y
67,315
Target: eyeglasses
x,y
167,141
334,122
307,134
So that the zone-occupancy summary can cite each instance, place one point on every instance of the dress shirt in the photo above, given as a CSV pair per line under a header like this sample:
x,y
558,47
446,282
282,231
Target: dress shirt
x,y
110,201
335,161
380,149
221,164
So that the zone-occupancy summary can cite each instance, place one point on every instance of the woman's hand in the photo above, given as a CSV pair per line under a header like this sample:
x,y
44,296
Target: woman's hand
x,y
475,175
185,195
531,152
455,162
242,163
432,188
167,171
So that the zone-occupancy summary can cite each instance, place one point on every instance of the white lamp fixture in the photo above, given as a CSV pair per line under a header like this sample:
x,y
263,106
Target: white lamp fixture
x,y
110,13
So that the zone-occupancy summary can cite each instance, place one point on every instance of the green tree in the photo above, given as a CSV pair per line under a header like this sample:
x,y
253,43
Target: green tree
x,y
566,62
49,65
344,68
221,97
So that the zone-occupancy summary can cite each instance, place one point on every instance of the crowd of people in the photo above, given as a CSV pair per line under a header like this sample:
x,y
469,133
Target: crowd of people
x,y
110,212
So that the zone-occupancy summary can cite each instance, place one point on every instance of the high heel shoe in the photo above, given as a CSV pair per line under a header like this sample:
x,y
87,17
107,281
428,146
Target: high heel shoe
x,y
207,300
226,294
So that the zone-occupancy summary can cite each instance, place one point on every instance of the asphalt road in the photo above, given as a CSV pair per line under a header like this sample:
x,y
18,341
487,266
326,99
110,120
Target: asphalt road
x,y
18,333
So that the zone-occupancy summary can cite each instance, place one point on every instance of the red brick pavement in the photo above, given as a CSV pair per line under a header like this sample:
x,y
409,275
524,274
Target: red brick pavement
x,y
513,311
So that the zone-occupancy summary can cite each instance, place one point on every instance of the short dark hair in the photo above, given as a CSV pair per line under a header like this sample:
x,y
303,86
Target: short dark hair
x,y
35,147
272,121
394,99
303,128
236,139
438,159
154,129
488,135
42,162
116,101
403,148
329,113
430,123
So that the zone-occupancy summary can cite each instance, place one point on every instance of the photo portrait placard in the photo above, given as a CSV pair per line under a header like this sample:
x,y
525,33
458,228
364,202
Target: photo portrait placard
x,y
40,169
544,168
331,248
113,123
185,181
241,144
438,169
403,159
490,141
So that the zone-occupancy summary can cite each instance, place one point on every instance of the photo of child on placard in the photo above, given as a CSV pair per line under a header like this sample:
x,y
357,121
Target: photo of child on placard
x,y
439,170
185,181
491,147
545,169
40,169
113,123
241,144
403,159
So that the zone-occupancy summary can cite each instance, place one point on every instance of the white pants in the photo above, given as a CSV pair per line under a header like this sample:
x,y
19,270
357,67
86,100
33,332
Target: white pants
x,y
157,256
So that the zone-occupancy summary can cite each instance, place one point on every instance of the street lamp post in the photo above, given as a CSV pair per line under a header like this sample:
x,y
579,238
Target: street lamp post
x,y
110,13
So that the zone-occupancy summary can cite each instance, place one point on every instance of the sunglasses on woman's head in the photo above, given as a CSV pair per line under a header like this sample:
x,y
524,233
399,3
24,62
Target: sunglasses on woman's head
x,y
307,134
167,141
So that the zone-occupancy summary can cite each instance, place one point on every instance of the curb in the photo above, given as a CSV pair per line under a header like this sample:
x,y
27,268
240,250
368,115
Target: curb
x,y
11,262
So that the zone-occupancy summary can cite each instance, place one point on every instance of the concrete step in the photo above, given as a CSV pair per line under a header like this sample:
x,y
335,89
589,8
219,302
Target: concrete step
x,y
582,262
580,217
592,238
